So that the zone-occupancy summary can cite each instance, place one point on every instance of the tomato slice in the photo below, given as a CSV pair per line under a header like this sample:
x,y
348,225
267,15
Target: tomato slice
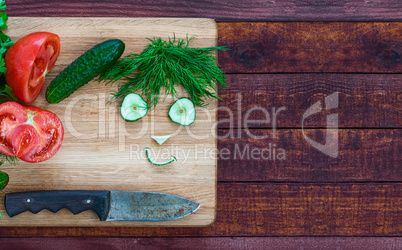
x,y
28,61
30,133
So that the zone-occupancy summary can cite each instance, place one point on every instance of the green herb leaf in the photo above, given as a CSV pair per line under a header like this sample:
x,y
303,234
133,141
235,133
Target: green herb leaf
x,y
2,5
5,41
3,180
5,91
166,64
10,159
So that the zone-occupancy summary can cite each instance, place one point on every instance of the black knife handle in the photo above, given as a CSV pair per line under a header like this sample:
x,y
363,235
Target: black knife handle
x,y
76,201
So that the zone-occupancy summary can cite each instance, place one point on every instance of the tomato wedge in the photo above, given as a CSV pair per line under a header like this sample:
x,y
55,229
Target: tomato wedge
x,y
30,133
28,61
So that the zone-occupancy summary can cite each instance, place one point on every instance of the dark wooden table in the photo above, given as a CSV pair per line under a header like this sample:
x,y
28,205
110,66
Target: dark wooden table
x,y
352,47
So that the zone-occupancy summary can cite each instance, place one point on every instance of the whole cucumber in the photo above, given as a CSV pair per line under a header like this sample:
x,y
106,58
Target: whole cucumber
x,y
86,67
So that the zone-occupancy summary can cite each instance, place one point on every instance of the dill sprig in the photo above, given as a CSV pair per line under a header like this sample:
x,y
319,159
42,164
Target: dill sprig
x,y
10,159
164,65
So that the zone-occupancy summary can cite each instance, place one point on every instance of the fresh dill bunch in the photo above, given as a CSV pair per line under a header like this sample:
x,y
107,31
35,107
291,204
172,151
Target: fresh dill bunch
x,y
164,65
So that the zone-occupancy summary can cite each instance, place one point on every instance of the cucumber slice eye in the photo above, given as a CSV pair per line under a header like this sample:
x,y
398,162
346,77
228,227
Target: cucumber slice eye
x,y
182,112
151,160
133,107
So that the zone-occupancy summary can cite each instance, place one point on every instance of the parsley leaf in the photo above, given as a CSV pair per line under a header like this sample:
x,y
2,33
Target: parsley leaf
x,y
5,41
5,90
3,180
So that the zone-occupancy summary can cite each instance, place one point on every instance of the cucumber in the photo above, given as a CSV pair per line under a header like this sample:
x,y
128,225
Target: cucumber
x,y
133,107
160,139
151,160
182,112
86,67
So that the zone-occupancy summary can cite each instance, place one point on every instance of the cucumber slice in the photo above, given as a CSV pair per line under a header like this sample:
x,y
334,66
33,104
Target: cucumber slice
x,y
182,112
160,139
133,107
151,160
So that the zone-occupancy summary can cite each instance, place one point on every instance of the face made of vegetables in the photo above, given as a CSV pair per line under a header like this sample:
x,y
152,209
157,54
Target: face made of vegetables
x,y
182,112
165,69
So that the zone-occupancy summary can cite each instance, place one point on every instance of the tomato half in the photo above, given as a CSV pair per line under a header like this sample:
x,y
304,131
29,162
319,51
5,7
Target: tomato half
x,y
30,133
28,61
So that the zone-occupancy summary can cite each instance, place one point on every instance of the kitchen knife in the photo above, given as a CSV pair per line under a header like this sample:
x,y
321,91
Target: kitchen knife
x,y
109,205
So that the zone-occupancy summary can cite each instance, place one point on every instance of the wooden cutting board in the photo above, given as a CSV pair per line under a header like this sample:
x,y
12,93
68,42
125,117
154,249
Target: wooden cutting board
x,y
100,150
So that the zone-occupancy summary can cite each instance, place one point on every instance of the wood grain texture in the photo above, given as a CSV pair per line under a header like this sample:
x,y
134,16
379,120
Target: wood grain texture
x,y
252,10
269,47
256,155
100,150
365,101
274,243
275,210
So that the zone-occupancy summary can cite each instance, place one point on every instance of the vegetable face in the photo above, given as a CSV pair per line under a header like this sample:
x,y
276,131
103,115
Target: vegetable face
x,y
30,133
28,61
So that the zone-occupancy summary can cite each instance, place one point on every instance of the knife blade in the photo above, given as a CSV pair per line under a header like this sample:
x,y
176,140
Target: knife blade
x,y
109,205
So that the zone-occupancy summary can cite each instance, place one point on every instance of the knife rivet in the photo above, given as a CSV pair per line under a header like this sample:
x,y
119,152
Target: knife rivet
x,y
28,200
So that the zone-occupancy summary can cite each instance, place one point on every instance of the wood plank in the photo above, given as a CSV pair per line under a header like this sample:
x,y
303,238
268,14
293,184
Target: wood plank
x,y
268,243
365,100
275,210
100,150
252,10
262,47
256,155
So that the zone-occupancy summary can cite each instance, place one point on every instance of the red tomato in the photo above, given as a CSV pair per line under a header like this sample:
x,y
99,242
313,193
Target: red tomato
x,y
30,133
28,61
